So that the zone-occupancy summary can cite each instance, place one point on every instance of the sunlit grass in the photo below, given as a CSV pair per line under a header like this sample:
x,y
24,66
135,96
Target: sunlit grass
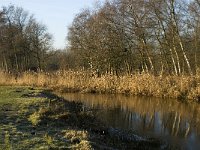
x,y
28,122
37,119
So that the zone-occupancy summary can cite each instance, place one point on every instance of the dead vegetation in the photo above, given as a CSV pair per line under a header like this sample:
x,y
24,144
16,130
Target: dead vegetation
x,y
179,87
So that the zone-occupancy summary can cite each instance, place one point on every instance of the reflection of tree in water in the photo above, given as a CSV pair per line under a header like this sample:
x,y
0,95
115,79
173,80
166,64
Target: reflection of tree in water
x,y
173,124
152,115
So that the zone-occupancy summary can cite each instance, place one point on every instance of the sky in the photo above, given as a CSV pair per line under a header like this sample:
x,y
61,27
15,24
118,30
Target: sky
x,y
57,15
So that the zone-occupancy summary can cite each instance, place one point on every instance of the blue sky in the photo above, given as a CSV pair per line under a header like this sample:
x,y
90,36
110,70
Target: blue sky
x,y
57,15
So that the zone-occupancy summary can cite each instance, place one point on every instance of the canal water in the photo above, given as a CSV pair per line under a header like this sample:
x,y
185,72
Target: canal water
x,y
170,120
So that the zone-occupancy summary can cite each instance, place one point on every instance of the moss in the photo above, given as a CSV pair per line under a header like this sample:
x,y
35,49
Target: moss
x,y
34,118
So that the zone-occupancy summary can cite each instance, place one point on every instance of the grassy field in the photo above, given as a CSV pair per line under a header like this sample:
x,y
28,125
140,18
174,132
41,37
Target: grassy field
x,y
19,119
37,119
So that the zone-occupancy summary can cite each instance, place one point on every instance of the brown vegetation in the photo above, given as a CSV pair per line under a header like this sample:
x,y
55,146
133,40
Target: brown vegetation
x,y
181,87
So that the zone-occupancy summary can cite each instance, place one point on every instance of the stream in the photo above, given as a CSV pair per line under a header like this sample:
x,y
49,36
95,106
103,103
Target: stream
x,y
175,122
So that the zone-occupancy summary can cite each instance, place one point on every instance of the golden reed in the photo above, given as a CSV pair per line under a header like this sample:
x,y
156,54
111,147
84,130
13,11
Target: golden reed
x,y
182,87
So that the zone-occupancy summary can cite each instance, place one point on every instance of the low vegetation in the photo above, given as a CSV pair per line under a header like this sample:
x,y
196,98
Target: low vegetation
x,y
179,87
36,119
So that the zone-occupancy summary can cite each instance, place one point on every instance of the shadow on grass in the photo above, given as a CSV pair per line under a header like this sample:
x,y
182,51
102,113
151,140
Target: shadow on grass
x,y
51,122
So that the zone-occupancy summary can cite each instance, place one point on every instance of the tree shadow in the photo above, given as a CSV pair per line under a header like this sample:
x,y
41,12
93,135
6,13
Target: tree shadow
x,y
58,123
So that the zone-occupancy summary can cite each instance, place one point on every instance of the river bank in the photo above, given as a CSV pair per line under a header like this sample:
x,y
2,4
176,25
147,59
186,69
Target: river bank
x,y
36,118
177,87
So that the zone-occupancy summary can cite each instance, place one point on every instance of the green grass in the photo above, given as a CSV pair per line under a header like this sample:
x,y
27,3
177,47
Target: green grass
x,y
9,94
17,131
37,119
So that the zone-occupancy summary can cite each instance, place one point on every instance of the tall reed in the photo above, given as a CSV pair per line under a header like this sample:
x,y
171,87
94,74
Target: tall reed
x,y
182,87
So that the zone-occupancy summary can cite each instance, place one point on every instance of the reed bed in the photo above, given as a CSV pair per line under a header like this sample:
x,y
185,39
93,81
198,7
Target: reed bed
x,y
180,87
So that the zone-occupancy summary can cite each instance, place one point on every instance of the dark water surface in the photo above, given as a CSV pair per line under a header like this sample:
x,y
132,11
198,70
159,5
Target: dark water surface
x,y
170,120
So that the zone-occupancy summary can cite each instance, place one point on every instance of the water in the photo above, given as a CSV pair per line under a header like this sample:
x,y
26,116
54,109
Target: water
x,y
170,120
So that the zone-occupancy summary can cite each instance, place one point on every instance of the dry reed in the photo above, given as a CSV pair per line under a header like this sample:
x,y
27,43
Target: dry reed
x,y
182,87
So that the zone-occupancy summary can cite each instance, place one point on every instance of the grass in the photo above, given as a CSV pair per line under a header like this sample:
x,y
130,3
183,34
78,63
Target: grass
x,y
15,107
37,119
20,115
179,87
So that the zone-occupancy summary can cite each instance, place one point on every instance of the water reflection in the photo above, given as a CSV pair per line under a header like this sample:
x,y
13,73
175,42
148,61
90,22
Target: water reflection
x,y
169,119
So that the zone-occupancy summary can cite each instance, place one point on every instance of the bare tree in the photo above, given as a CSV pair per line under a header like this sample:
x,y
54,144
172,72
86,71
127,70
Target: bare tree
x,y
39,41
21,39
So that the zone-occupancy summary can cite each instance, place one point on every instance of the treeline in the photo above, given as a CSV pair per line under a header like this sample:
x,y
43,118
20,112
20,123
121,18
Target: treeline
x,y
118,36
154,36
24,42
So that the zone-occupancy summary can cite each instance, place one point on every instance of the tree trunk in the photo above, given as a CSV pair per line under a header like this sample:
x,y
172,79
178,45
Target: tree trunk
x,y
5,63
174,22
173,61
16,62
148,55
185,57
177,58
